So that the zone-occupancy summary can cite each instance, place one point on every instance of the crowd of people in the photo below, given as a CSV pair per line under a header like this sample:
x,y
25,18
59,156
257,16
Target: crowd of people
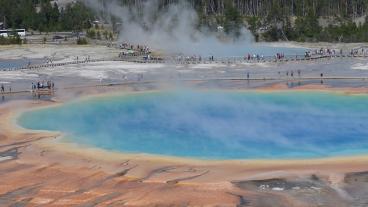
x,y
43,85
360,51
248,57
336,52
193,58
326,52
145,52
308,54
257,57
143,49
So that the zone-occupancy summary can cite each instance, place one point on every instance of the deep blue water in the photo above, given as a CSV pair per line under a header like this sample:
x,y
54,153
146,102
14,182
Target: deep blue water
x,y
215,124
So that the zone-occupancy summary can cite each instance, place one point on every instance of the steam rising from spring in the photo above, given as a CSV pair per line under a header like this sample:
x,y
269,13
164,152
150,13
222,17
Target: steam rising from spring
x,y
173,29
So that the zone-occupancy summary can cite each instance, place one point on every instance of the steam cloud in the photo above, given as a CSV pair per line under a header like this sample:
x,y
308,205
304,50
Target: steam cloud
x,y
173,29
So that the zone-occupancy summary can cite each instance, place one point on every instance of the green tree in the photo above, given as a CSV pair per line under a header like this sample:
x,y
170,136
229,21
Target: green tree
x,y
233,20
82,41
105,34
111,36
91,33
307,28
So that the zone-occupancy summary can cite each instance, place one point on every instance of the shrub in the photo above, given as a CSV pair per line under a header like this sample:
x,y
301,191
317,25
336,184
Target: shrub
x,y
82,41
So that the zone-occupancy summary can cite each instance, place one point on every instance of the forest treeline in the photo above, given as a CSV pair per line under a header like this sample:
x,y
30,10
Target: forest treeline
x,y
270,20
42,15
343,8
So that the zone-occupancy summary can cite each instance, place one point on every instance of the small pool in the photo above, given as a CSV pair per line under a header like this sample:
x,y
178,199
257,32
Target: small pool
x,y
214,124
18,63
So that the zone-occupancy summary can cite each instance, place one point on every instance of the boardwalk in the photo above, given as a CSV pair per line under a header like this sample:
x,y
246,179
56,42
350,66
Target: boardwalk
x,y
51,65
140,58
42,92
236,59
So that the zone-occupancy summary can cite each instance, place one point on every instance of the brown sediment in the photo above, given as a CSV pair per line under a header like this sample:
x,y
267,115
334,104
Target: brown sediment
x,y
38,170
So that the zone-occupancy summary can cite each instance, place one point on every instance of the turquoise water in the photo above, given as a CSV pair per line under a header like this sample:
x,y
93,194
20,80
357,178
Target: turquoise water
x,y
214,124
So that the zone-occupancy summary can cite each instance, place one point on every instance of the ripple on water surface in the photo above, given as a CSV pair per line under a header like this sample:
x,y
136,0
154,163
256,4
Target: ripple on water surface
x,y
214,124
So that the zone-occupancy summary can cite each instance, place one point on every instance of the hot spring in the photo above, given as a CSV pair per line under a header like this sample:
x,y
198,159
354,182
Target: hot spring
x,y
214,124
